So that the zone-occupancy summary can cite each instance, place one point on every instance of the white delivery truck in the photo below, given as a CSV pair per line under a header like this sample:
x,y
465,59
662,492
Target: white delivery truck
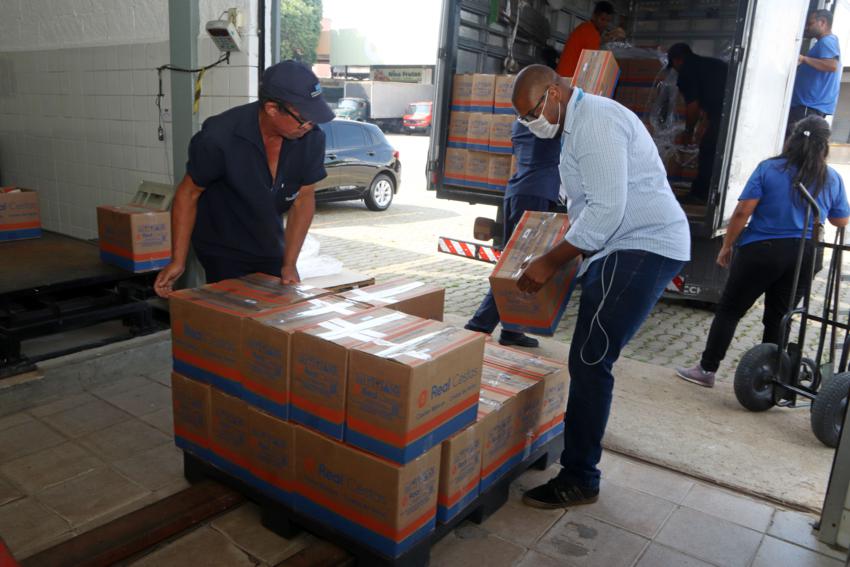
x,y
759,39
383,103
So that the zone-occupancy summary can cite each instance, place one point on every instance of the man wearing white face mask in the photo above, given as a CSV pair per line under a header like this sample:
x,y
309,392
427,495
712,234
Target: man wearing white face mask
x,y
634,237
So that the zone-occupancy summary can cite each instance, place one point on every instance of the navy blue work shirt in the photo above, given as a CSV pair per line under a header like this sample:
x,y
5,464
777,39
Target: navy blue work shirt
x,y
240,211
537,163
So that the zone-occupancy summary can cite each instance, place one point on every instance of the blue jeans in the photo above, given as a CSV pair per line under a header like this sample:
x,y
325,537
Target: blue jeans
x,y
487,316
634,280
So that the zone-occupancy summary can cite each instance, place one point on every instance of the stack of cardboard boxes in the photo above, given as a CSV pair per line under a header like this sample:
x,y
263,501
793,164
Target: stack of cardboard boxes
x,y
351,410
479,142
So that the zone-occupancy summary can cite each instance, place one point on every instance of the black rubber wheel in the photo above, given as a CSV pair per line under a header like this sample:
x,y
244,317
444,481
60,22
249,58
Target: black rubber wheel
x,y
380,194
754,377
829,408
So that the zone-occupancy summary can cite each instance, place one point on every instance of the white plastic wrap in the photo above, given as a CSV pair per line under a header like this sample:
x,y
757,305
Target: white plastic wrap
x,y
312,265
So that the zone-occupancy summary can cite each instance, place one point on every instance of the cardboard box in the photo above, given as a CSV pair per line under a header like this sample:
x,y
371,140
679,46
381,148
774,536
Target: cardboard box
x,y
191,404
474,92
596,72
410,390
478,132
460,472
496,418
229,435
134,238
20,216
639,71
408,296
458,129
320,358
271,455
501,127
206,324
552,374
498,383
477,170
502,95
540,313
499,172
266,349
455,168
384,506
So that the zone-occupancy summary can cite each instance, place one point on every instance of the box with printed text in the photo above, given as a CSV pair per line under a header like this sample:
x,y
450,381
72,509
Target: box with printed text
x,y
596,73
20,216
474,92
502,95
134,238
207,323
541,312
460,472
384,506
191,407
266,352
413,388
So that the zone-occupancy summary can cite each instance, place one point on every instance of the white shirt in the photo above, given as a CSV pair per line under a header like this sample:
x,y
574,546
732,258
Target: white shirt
x,y
618,197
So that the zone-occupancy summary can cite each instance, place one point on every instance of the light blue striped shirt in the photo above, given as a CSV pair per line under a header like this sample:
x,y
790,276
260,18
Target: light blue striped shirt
x,y
618,197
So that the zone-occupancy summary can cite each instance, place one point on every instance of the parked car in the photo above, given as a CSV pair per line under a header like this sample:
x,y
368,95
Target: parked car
x,y
361,164
417,118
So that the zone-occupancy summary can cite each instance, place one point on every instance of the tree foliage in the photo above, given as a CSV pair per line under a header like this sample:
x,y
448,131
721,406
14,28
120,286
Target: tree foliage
x,y
300,26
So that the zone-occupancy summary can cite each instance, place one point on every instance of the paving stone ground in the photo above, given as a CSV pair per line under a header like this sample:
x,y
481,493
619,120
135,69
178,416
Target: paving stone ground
x,y
402,241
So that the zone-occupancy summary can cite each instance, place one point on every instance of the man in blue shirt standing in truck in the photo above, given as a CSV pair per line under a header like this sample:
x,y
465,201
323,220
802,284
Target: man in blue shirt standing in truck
x,y
818,73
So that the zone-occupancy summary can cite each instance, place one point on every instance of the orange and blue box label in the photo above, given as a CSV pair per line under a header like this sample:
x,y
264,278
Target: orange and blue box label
x,y
20,231
133,261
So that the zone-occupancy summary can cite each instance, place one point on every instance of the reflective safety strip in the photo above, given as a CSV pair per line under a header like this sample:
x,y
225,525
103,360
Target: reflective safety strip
x,y
480,252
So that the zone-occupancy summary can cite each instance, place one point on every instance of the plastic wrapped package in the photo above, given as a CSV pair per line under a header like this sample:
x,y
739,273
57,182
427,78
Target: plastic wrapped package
x,y
312,265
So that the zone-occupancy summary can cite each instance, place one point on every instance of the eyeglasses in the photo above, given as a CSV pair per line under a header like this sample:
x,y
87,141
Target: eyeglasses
x,y
530,117
301,123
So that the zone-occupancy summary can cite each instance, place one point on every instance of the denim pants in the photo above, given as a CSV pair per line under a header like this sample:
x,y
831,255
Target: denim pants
x,y
617,294
487,316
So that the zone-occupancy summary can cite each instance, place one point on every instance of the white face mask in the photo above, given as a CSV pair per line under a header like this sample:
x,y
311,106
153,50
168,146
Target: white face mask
x,y
540,126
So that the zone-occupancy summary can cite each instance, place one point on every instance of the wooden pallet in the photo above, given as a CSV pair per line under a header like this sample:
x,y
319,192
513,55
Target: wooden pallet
x,y
287,522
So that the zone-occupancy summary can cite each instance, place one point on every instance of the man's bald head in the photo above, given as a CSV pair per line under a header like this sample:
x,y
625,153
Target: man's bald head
x,y
529,86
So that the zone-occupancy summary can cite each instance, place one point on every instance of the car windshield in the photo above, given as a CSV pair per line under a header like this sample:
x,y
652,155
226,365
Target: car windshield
x,y
348,103
418,108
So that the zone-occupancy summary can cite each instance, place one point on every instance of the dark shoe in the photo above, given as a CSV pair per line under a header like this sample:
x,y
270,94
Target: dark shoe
x,y
469,327
696,375
559,494
518,339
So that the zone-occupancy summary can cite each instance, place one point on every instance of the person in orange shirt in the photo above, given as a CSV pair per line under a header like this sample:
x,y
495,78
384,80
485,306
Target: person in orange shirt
x,y
588,35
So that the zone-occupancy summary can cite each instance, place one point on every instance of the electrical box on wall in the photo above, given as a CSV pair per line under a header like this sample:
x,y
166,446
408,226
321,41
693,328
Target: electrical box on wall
x,y
224,34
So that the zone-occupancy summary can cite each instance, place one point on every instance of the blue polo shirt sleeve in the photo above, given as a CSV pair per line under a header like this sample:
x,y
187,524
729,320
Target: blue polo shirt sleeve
x,y
206,160
826,48
839,208
754,189
314,168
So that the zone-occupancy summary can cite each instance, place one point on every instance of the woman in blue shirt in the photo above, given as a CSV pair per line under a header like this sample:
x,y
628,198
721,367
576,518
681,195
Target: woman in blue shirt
x,y
766,254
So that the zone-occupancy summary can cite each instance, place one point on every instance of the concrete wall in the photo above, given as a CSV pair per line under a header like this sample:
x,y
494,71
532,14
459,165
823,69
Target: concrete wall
x,y
77,89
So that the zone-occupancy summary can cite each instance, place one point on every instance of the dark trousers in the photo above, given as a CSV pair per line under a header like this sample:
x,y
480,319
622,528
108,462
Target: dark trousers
x,y
487,316
617,294
797,113
764,267
219,268
707,150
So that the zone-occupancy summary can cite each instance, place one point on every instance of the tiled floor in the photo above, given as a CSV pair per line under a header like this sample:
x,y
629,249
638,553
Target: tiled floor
x,y
71,465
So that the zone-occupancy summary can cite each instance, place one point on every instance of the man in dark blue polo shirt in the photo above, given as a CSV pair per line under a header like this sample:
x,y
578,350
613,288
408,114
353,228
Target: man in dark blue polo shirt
x,y
247,167
818,73
702,82
534,187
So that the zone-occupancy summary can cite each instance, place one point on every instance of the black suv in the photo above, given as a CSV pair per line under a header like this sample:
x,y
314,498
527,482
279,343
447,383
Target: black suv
x,y
361,164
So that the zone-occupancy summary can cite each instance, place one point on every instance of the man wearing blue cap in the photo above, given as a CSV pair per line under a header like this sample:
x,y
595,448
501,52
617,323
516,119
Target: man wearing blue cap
x,y
247,167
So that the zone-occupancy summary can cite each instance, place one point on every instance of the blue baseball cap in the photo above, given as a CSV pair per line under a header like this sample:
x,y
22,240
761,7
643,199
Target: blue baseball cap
x,y
294,82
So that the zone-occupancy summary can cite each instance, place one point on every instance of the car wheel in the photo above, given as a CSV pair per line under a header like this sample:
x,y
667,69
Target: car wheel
x,y
380,194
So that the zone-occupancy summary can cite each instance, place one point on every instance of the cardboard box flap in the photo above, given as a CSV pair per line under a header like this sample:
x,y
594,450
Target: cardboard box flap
x,y
416,345
129,209
536,234
390,292
264,287
503,381
312,311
